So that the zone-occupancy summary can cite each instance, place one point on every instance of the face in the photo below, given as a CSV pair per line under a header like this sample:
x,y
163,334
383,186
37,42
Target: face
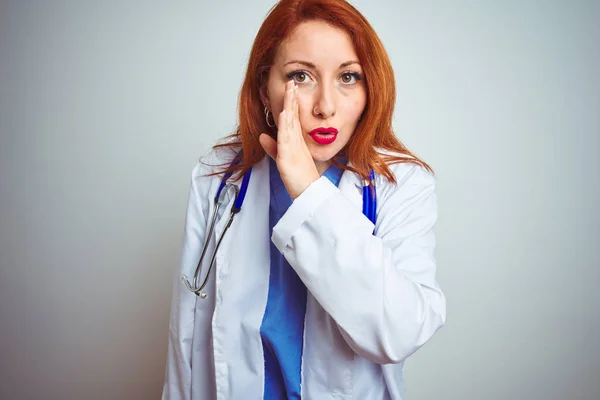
x,y
321,60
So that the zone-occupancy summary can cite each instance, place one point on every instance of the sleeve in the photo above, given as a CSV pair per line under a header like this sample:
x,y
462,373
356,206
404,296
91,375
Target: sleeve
x,y
177,383
380,289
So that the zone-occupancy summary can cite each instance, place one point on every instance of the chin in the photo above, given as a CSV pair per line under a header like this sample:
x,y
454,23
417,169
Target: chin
x,y
323,155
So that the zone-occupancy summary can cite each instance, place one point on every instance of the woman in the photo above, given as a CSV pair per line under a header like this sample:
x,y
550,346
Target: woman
x,y
321,287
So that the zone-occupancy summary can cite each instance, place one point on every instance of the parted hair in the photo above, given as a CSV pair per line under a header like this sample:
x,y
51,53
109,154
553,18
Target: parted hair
x,y
373,145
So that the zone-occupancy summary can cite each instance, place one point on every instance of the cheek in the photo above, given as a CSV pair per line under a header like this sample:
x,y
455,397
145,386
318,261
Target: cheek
x,y
276,98
354,109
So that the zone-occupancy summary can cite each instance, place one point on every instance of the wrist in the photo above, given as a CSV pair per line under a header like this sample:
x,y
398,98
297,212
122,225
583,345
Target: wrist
x,y
304,185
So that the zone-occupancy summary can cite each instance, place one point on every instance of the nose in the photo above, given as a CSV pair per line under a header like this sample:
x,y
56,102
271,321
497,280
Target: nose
x,y
325,106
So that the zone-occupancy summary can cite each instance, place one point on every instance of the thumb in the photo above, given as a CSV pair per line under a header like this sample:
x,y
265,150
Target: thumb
x,y
269,145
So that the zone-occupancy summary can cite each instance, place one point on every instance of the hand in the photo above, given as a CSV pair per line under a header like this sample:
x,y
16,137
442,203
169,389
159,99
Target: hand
x,y
294,161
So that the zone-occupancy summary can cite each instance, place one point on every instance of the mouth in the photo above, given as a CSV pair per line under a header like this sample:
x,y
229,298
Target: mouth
x,y
323,135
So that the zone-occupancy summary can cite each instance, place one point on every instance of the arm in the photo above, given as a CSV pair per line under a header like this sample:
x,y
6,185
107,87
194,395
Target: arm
x,y
381,291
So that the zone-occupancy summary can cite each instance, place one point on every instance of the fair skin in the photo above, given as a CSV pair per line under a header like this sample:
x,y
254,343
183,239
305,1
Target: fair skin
x,y
315,82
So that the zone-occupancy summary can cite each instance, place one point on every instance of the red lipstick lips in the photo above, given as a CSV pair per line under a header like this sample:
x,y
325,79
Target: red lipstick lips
x,y
323,135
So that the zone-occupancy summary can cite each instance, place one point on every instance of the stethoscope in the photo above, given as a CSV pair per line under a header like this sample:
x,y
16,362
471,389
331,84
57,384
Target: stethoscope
x,y
369,209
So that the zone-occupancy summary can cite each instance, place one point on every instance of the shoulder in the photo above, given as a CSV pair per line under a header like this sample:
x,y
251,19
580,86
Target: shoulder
x,y
204,180
412,199
406,173
215,160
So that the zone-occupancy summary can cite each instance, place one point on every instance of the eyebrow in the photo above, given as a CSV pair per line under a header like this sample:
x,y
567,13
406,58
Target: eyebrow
x,y
313,66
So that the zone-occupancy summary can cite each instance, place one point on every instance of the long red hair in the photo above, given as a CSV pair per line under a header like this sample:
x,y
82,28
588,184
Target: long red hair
x,y
374,131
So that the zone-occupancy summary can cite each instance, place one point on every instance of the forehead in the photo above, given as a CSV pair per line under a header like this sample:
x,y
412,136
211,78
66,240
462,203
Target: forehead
x,y
317,42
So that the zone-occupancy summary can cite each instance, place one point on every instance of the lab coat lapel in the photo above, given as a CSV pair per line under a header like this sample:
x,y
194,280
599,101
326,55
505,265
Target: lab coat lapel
x,y
351,187
326,356
241,292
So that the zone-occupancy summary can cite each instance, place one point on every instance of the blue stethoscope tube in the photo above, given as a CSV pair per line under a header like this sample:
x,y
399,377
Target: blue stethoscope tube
x,y
370,198
369,209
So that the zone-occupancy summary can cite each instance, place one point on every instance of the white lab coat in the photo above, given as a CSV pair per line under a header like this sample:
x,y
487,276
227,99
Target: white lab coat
x,y
372,300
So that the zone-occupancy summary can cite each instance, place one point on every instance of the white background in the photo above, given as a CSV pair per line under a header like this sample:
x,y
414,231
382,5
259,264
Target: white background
x,y
105,108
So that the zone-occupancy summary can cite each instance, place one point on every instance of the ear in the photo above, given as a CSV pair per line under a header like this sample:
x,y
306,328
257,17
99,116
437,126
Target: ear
x,y
264,95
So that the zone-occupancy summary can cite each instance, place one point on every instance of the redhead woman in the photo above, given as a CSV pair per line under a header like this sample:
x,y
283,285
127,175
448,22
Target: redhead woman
x,y
308,265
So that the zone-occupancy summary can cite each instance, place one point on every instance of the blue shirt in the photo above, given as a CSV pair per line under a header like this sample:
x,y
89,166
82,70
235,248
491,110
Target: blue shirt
x,y
282,326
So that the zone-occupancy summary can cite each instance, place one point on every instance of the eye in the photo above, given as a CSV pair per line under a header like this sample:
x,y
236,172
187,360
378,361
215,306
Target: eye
x,y
298,76
350,77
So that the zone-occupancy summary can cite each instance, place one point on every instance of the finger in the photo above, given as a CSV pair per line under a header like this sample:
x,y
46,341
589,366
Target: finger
x,y
294,125
282,133
269,145
288,103
296,112
282,118
289,95
296,106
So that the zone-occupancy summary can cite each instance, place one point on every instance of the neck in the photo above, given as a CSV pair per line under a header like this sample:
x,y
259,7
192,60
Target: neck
x,y
322,166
